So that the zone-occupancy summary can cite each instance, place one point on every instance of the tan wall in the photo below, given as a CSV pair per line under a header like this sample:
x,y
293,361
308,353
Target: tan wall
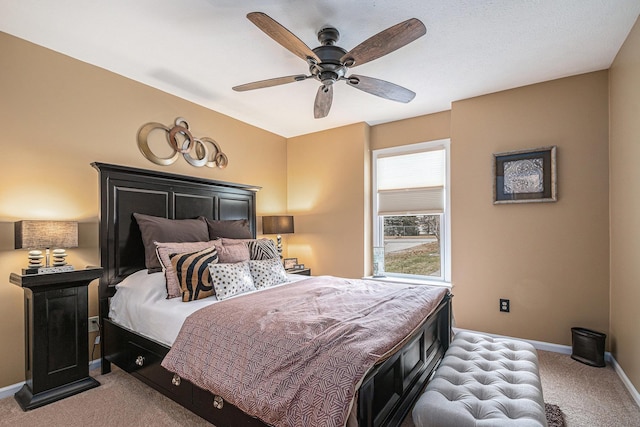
x,y
625,205
411,131
58,115
549,259
328,174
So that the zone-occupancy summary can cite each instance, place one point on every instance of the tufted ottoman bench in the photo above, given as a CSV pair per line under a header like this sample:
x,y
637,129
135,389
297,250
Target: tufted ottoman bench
x,y
483,381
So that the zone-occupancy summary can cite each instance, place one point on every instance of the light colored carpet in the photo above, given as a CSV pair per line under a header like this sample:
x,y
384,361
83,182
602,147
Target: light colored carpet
x,y
588,397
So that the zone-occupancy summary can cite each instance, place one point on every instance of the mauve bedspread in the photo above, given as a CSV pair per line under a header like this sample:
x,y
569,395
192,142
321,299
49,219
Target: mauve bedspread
x,y
295,355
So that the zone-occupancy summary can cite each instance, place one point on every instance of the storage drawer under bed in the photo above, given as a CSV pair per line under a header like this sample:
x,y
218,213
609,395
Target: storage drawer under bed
x,y
142,359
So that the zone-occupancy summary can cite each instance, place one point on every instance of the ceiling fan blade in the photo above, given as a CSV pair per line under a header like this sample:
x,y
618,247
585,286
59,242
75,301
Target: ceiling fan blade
x,y
385,42
324,98
381,88
270,82
283,36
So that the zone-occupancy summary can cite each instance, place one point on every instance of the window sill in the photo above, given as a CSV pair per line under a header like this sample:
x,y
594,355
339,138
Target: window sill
x,y
411,281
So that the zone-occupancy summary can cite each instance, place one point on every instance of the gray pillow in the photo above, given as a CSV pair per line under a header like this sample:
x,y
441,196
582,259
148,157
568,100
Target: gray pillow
x,y
230,228
158,229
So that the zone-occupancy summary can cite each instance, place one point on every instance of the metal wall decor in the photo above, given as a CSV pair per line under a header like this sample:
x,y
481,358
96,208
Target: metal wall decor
x,y
197,152
525,176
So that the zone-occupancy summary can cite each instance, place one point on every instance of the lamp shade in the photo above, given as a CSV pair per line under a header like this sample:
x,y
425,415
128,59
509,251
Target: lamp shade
x,y
277,224
46,234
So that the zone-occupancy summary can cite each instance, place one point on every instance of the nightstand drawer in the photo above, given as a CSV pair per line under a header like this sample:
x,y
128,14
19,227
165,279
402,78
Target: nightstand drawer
x,y
303,271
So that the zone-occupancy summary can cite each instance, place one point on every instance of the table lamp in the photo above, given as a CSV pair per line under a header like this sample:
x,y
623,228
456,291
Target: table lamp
x,y
36,235
277,224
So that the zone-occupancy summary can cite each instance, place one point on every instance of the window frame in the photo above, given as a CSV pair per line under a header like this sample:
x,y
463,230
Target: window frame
x,y
445,220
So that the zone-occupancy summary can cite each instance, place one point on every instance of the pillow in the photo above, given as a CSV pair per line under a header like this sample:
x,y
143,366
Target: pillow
x,y
142,286
263,249
158,229
231,279
163,250
233,228
192,270
232,252
266,273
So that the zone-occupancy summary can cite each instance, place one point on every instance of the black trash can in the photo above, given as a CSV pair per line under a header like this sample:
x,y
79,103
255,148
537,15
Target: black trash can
x,y
588,346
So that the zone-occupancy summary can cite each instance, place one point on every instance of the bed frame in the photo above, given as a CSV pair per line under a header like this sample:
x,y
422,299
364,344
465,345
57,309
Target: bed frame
x,y
387,392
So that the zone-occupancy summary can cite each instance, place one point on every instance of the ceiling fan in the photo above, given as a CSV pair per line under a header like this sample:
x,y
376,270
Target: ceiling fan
x,y
329,63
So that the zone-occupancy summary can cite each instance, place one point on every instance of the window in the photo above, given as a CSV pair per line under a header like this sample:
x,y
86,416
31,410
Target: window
x,y
411,210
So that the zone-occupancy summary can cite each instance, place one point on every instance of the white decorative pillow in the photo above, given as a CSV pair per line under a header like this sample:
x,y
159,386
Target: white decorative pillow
x,y
266,273
231,279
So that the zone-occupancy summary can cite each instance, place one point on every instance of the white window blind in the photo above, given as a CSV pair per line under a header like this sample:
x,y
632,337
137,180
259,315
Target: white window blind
x,y
411,183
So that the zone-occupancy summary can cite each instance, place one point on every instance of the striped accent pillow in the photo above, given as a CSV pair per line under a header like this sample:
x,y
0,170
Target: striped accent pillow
x,y
262,249
192,269
163,250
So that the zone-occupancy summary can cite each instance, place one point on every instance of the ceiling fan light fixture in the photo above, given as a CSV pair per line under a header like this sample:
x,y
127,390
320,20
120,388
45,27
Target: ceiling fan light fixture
x,y
328,77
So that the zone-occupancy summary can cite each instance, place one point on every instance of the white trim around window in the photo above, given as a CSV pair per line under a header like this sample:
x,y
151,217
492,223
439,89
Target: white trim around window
x,y
413,206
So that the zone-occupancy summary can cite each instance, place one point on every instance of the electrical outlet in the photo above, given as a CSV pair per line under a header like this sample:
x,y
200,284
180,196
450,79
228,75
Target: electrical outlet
x,y
94,325
504,305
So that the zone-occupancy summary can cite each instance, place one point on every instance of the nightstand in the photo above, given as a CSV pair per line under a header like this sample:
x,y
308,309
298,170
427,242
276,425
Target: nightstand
x,y
56,335
302,271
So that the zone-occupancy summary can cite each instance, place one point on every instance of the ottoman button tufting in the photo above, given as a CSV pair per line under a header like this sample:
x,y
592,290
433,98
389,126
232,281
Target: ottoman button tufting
x,y
483,381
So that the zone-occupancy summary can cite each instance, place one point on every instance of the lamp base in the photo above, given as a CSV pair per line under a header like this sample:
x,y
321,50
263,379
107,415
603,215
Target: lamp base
x,y
47,270
279,245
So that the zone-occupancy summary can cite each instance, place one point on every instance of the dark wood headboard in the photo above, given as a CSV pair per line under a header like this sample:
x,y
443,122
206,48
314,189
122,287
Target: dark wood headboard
x,y
125,190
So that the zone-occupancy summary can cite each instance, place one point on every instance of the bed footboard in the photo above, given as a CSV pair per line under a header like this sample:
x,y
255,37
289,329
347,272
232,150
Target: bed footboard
x,y
390,390
385,397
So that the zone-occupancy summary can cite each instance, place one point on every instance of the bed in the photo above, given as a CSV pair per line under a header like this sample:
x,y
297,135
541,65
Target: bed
x,y
384,395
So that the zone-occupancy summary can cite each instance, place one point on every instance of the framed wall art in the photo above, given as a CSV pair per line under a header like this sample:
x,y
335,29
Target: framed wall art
x,y
525,176
290,263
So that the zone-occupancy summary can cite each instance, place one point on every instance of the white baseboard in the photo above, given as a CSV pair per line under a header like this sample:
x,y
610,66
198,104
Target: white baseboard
x,y
95,364
10,390
626,381
566,349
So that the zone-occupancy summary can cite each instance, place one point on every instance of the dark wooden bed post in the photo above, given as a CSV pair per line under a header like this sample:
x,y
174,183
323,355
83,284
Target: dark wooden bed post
x,y
103,287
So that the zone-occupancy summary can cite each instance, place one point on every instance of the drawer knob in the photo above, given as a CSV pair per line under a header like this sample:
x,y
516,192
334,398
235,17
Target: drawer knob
x,y
140,360
218,402
175,380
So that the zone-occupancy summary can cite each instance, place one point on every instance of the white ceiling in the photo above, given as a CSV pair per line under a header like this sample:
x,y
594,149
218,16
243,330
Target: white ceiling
x,y
199,49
